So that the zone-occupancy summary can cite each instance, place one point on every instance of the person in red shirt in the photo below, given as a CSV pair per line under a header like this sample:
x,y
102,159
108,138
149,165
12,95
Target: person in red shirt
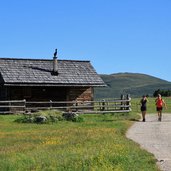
x,y
159,106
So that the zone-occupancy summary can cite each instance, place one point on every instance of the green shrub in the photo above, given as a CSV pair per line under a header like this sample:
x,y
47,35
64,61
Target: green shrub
x,y
71,116
49,116
25,119
78,119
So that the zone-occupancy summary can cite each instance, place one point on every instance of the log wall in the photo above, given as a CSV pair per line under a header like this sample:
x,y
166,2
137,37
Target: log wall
x,y
47,93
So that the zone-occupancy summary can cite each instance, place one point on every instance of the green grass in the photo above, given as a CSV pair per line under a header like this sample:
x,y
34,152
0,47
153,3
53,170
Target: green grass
x,y
151,108
97,144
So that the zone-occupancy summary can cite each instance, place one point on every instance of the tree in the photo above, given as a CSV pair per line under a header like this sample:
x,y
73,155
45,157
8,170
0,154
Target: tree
x,y
165,93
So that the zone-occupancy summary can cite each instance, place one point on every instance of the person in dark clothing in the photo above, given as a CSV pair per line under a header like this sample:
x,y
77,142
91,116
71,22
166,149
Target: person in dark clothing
x,y
143,103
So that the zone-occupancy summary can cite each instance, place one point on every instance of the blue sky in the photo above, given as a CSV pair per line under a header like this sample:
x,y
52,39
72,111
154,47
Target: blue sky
x,y
115,35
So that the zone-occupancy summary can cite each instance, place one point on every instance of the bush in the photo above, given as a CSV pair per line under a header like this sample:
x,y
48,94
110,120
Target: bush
x,y
70,116
78,119
25,119
41,117
49,116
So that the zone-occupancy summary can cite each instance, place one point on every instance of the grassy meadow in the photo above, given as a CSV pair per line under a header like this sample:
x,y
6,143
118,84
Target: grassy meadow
x,y
97,144
151,108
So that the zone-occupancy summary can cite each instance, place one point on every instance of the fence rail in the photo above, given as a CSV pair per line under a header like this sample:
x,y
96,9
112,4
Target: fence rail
x,y
100,106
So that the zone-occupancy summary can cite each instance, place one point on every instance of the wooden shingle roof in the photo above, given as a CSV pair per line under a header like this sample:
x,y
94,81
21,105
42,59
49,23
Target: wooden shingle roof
x,y
37,72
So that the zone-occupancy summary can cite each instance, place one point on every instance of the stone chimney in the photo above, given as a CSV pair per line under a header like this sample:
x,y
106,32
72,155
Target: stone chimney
x,y
55,64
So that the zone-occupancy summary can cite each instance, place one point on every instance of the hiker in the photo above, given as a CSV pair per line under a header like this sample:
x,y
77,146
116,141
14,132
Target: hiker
x,y
159,106
143,103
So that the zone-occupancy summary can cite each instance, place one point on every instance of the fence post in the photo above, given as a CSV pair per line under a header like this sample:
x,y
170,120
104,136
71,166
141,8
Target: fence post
x,y
9,107
122,103
24,108
128,102
50,104
103,104
76,106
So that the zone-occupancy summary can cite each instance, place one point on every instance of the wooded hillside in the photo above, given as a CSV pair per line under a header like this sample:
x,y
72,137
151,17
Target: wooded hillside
x,y
134,84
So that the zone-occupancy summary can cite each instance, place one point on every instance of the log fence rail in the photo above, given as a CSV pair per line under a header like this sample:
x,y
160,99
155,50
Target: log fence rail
x,y
100,106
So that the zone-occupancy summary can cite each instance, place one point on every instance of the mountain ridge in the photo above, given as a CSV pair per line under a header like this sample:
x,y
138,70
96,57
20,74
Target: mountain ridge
x,y
135,84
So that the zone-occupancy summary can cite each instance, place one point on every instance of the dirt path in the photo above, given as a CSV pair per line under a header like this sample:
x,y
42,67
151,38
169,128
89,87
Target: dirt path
x,y
155,137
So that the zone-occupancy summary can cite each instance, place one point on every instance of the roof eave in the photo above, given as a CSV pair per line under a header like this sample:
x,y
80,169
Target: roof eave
x,y
54,85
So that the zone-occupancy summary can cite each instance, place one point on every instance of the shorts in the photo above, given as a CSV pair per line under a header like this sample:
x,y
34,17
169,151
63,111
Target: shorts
x,y
159,108
143,109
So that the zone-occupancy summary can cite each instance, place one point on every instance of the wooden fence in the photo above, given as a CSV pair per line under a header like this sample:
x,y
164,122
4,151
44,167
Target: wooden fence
x,y
101,106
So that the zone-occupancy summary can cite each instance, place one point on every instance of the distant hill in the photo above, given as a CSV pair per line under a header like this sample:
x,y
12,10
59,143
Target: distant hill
x,y
134,84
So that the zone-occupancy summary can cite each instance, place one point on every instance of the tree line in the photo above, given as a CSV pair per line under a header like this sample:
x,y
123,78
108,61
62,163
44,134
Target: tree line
x,y
165,93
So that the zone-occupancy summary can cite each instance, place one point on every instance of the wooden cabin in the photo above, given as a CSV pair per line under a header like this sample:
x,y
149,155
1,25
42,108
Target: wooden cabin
x,y
44,80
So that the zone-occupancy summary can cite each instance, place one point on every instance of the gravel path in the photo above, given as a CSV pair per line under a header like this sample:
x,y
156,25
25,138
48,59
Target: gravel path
x,y
155,137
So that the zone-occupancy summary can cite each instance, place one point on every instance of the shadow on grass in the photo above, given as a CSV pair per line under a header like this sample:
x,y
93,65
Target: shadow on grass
x,y
135,120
